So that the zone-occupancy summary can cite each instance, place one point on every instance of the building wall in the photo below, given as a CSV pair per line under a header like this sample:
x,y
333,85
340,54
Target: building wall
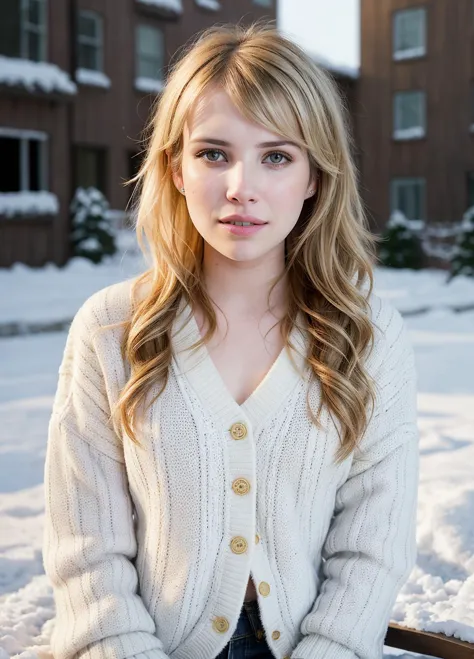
x,y
112,119
445,154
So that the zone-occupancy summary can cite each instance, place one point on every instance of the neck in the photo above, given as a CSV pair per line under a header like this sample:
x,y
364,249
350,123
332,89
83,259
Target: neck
x,y
242,287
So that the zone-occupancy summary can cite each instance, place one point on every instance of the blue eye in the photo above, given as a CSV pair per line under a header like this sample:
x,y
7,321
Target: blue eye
x,y
276,165
201,154
277,153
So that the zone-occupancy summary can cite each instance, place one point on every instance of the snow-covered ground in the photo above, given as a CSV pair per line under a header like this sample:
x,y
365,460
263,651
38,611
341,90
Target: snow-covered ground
x,y
439,595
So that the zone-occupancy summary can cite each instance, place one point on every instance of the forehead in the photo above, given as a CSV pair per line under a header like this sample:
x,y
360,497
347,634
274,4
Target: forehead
x,y
215,112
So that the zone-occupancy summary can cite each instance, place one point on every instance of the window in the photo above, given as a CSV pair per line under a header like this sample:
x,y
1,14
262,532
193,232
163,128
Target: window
x,y
23,165
409,33
90,41
23,29
408,196
409,113
149,52
90,168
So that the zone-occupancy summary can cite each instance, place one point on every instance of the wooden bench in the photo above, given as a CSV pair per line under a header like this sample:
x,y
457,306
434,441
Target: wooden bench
x,y
434,645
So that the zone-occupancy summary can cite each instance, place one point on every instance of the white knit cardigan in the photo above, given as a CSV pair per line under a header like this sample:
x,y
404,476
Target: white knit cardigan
x,y
149,550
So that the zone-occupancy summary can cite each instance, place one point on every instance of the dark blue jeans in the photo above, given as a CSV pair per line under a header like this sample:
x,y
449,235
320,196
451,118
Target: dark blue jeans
x,y
248,640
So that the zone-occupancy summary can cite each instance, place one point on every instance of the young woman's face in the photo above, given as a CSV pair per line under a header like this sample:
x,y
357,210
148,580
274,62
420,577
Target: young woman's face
x,y
227,169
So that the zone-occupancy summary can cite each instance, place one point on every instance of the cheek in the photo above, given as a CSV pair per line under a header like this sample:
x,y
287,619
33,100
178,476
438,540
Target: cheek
x,y
289,197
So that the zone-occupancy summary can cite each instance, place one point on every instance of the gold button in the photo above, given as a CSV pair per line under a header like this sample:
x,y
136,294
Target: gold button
x,y
221,625
259,634
276,635
238,545
241,486
264,589
238,431
257,538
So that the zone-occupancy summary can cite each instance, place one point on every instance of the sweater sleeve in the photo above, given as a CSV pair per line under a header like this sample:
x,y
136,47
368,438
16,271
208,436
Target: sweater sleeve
x,y
370,548
89,542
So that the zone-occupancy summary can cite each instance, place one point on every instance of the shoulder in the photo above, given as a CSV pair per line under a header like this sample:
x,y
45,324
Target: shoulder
x,y
391,337
108,306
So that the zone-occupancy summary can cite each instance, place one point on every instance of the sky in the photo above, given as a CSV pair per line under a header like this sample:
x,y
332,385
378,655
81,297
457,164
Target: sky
x,y
324,27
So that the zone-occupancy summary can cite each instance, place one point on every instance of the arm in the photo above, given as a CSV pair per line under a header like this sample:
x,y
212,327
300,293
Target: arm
x,y
89,539
370,549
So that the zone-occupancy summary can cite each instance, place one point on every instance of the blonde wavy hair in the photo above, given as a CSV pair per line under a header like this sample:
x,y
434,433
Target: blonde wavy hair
x,y
329,253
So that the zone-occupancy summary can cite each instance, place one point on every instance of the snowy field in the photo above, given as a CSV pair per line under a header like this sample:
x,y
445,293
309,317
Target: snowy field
x,y
439,595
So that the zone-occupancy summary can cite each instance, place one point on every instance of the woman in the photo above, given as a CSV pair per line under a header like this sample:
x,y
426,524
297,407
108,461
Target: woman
x,y
232,460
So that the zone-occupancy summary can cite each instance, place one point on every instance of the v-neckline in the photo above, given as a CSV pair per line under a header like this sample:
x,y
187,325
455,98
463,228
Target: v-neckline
x,y
205,379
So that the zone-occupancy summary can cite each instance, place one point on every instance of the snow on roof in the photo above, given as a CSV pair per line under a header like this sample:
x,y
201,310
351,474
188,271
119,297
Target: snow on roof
x,y
28,203
93,78
209,4
173,5
337,69
33,75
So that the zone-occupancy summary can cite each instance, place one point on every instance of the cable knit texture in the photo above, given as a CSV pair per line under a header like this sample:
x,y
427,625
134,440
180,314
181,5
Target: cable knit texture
x,y
149,550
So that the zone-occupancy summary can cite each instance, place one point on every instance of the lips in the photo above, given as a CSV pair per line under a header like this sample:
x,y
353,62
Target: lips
x,y
241,218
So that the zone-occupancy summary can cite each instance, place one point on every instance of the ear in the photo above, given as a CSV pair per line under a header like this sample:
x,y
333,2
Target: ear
x,y
176,175
312,186
178,180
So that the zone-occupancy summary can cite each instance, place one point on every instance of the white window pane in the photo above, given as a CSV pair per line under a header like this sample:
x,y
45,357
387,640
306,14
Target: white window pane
x,y
34,46
34,12
409,110
149,52
90,42
149,41
410,29
88,57
90,25
408,196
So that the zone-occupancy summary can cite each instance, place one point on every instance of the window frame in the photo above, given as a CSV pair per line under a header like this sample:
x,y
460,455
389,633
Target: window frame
x,y
413,52
401,132
139,55
96,42
41,30
24,137
398,182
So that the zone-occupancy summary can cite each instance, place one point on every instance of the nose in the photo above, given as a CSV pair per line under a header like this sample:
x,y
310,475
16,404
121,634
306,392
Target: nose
x,y
241,184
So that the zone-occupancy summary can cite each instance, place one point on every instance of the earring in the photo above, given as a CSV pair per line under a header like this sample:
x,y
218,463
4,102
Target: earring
x,y
182,190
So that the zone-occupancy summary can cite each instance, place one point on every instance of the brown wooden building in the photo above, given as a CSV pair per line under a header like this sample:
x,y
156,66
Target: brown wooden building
x,y
77,78
416,104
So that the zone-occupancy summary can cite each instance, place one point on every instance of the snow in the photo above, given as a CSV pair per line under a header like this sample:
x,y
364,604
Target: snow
x,y
14,204
172,5
439,593
149,84
213,5
409,133
35,75
409,53
93,78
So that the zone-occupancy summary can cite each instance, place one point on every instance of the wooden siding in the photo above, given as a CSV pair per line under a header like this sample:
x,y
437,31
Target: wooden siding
x,y
445,73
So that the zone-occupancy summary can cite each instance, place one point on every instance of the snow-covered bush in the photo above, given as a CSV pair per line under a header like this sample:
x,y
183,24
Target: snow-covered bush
x,y
401,247
92,236
462,261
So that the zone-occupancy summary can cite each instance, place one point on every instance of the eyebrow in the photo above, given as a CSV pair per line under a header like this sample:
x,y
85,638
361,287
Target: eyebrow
x,y
262,145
